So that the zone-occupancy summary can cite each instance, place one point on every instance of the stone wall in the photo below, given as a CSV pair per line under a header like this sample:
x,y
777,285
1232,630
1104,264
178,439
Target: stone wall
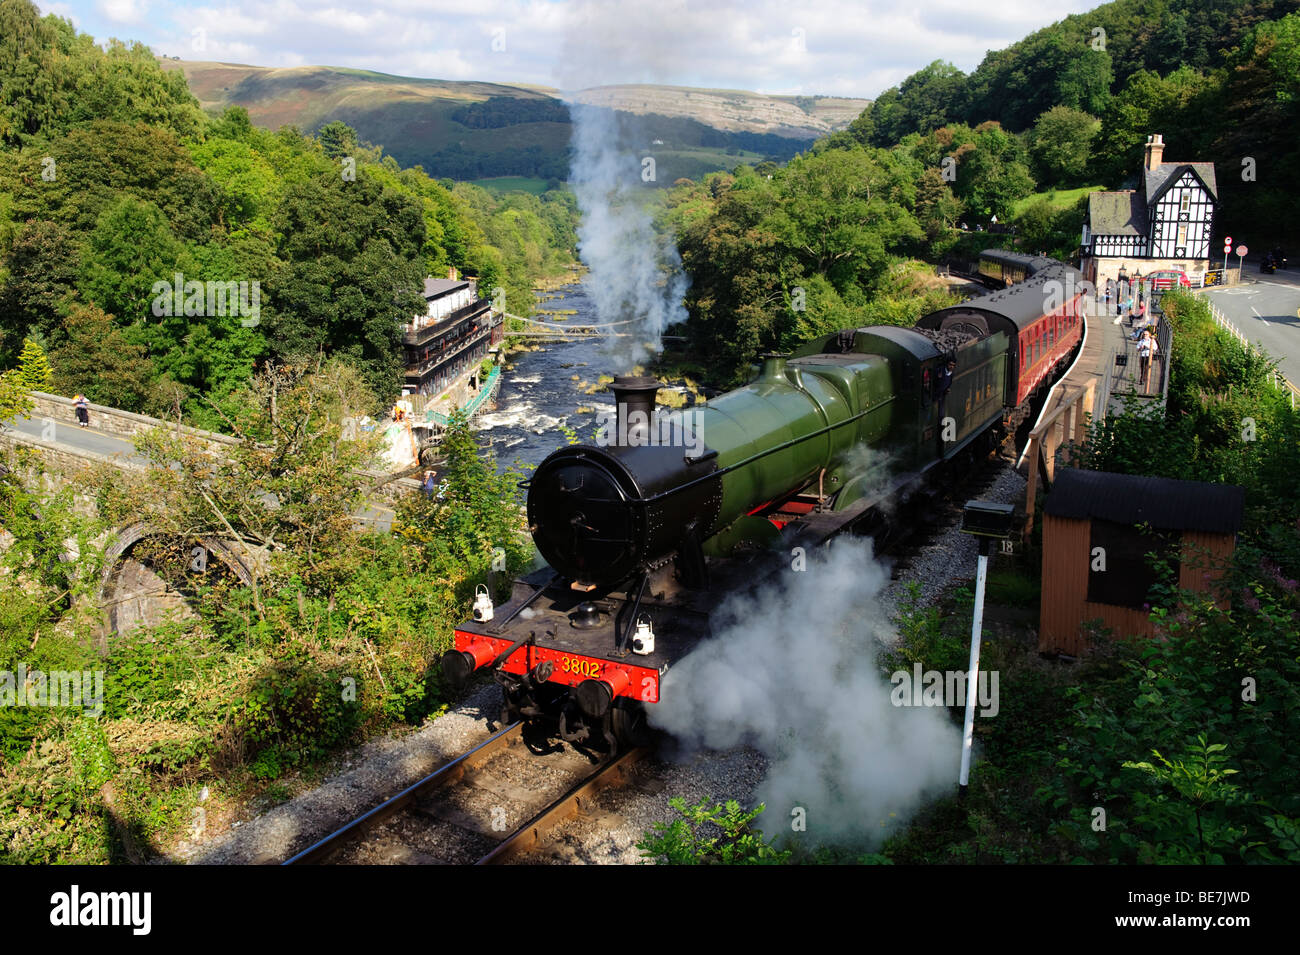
x,y
123,424
62,463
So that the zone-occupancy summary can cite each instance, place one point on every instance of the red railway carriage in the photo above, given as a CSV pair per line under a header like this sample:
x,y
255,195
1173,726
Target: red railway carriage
x,y
1042,317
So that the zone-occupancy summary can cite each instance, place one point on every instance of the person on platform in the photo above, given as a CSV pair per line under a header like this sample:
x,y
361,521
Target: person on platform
x,y
1146,349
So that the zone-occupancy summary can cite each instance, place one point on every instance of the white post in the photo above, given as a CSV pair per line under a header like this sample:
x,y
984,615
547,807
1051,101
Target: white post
x,y
977,626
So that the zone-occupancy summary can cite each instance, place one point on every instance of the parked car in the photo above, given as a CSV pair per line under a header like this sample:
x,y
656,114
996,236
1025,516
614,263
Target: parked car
x,y
1168,278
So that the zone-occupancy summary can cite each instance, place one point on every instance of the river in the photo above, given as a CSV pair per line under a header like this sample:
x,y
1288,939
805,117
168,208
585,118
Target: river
x,y
538,392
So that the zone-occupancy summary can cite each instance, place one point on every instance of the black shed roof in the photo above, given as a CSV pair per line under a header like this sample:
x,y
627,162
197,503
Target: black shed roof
x,y
1163,503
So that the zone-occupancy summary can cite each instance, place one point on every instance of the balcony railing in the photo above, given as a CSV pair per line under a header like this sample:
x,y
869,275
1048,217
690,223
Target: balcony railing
x,y
449,355
421,336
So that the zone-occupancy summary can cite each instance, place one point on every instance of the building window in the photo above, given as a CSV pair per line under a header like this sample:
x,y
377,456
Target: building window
x,y
1186,204
1182,235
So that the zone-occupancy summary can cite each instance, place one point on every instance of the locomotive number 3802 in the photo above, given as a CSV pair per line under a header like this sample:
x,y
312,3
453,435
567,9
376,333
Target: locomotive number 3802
x,y
587,668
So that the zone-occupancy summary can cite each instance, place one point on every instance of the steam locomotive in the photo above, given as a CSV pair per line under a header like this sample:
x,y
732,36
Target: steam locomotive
x,y
644,529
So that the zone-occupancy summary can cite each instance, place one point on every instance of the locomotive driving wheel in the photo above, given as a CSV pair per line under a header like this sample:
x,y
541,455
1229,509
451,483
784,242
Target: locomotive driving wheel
x,y
630,725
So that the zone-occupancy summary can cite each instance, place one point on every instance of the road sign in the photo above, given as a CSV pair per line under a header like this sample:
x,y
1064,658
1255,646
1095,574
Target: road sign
x,y
1227,247
1227,240
1242,250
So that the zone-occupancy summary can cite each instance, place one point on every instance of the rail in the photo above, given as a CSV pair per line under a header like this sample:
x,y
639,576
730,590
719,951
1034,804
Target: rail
x,y
442,776
578,800
1102,409
616,770
1165,342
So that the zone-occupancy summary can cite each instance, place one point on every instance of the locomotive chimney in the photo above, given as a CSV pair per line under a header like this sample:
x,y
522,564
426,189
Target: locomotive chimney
x,y
1155,150
634,400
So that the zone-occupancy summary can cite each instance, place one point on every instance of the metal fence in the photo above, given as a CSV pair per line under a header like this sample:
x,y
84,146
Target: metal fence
x,y
1101,404
1279,380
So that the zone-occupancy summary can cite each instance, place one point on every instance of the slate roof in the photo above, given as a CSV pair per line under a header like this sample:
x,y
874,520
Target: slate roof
x,y
1166,174
1163,503
436,288
1117,213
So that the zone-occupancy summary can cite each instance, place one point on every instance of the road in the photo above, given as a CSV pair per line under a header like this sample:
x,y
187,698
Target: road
x,y
1264,309
70,435
75,438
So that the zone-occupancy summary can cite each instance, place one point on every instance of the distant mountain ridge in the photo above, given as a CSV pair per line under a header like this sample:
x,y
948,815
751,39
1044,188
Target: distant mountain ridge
x,y
471,130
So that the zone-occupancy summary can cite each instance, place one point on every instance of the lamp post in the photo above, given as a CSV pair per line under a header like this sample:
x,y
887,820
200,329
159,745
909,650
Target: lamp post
x,y
988,522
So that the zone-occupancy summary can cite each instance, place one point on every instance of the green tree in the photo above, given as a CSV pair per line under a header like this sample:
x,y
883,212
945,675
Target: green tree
x,y
338,139
1061,144
353,273
991,172
43,268
99,361
926,100
34,372
130,249
99,163
292,484
1147,104
937,209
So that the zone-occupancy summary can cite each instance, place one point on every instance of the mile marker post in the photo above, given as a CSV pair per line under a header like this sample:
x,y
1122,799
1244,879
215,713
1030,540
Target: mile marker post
x,y
988,522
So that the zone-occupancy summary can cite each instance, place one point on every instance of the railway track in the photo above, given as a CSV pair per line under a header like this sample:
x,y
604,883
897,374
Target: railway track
x,y
487,806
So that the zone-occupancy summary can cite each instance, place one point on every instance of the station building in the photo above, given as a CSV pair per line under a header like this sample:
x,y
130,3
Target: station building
x,y
1165,223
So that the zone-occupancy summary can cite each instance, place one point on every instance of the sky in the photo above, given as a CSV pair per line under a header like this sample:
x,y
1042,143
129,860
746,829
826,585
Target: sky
x,y
829,47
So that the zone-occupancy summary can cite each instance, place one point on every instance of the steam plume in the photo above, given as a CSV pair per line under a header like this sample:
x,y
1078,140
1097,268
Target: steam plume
x,y
636,274
792,671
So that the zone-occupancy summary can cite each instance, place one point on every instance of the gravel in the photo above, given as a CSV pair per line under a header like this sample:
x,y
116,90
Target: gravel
x,y
952,555
374,772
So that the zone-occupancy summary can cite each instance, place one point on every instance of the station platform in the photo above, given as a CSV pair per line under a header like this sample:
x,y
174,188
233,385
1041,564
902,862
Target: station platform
x,y
1108,366
1104,378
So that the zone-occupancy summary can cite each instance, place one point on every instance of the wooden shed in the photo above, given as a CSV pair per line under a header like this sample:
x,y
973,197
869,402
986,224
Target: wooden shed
x,y
1098,529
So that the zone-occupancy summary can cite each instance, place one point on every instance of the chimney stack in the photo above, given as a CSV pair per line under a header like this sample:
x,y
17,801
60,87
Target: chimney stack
x,y
634,401
1155,151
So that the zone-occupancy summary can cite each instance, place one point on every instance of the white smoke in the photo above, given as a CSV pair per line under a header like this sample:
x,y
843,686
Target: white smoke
x,y
636,275
792,671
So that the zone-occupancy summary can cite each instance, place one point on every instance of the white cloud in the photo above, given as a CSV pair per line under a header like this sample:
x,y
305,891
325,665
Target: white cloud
x,y
846,47
123,11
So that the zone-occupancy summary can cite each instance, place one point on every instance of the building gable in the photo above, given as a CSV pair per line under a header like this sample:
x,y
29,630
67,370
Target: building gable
x,y
1182,217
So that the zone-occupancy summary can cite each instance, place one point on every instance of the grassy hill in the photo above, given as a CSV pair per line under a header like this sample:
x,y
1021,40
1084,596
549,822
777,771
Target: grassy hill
x,y
802,117
472,130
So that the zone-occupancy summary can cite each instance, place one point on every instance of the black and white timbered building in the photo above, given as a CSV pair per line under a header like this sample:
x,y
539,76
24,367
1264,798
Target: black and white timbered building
x,y
1166,223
